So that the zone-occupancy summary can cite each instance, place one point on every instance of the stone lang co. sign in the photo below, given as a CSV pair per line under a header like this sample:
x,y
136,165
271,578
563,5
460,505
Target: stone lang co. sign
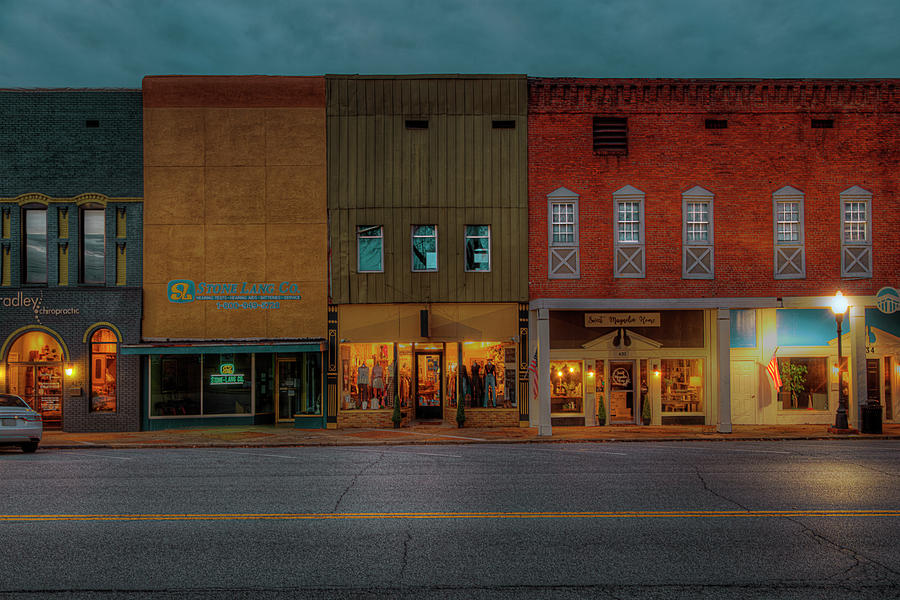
x,y
621,319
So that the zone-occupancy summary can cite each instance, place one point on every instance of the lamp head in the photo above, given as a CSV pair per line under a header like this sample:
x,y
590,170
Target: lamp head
x,y
839,304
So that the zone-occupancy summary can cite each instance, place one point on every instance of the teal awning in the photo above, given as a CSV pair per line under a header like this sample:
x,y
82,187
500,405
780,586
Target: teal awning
x,y
201,348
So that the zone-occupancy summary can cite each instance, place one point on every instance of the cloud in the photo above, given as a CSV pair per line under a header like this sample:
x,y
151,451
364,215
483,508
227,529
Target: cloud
x,y
114,43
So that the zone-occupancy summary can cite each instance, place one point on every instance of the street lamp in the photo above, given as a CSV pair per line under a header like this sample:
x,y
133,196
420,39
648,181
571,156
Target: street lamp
x,y
839,307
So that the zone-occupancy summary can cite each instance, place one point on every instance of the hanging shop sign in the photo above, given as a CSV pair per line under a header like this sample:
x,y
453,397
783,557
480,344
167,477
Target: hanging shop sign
x,y
888,300
621,319
242,295
226,376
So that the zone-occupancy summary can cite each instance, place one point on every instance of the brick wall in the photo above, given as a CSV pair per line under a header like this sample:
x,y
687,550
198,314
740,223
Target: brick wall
x,y
769,143
46,147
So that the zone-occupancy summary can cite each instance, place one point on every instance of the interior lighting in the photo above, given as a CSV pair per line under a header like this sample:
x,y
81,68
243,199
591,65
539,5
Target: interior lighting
x,y
590,373
656,373
571,369
69,371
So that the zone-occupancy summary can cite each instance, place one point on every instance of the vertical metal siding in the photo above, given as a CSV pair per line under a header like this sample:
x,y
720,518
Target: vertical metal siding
x,y
460,171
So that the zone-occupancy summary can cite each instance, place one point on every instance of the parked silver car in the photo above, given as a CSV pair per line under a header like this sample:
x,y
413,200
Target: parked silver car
x,y
19,424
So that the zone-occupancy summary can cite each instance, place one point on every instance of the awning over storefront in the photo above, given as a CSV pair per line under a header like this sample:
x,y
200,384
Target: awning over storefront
x,y
232,348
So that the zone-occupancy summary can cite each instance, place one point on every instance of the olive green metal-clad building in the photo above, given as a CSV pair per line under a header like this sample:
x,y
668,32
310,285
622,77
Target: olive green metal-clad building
x,y
427,209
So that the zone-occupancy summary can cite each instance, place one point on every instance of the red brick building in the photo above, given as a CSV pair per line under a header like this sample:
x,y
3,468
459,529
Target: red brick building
x,y
684,232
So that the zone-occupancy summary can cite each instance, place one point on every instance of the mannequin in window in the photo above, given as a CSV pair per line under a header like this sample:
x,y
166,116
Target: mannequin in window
x,y
377,384
362,384
465,386
490,384
477,384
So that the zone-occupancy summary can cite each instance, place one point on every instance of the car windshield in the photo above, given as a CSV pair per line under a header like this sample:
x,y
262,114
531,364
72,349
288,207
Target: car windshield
x,y
7,400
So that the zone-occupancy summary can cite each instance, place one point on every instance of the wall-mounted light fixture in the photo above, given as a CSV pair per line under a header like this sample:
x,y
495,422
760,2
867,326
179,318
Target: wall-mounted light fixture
x,y
70,370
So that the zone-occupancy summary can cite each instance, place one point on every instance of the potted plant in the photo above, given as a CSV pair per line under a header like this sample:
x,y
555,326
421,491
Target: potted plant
x,y
793,378
601,411
396,416
645,411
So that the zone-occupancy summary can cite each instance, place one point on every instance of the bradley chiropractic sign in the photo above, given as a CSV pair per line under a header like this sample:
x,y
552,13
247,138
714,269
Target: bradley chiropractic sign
x,y
36,304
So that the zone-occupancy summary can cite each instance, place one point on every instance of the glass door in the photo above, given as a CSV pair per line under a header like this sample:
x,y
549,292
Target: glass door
x,y
288,386
40,385
621,392
428,386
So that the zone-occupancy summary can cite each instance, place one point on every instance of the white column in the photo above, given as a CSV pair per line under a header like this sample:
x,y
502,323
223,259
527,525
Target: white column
x,y
723,369
543,417
857,364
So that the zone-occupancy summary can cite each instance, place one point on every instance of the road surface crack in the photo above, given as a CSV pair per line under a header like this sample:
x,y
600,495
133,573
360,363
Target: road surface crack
x,y
858,558
717,494
364,468
405,557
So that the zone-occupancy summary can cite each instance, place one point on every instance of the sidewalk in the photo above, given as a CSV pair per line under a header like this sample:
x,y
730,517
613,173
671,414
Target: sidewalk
x,y
271,436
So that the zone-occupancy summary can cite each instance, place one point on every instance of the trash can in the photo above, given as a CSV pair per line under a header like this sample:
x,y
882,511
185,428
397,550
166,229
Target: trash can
x,y
871,418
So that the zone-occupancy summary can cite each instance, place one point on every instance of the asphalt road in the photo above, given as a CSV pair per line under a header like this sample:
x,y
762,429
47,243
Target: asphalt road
x,y
793,519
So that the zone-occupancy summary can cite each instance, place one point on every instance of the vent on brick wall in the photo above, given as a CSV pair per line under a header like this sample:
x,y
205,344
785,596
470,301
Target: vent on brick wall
x,y
503,124
92,123
822,123
416,124
610,134
717,124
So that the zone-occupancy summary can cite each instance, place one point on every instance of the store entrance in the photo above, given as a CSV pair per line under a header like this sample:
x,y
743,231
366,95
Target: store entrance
x,y
35,372
428,386
622,392
288,386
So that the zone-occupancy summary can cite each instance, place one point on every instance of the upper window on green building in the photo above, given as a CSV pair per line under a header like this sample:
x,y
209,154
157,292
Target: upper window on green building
x,y
93,246
35,267
424,248
370,248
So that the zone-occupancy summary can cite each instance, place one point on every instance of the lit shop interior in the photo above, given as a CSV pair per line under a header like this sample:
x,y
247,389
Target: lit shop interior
x,y
430,377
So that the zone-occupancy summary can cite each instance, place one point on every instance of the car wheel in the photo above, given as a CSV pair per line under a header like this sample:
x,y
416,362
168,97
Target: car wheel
x,y
29,447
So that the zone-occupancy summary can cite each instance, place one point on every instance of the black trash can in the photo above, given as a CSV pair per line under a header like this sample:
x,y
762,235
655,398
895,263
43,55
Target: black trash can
x,y
871,418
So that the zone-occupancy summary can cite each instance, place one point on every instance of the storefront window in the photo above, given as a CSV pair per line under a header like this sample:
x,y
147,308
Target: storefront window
x,y
174,385
367,376
104,348
226,384
404,380
804,383
566,386
451,373
484,371
682,385
34,372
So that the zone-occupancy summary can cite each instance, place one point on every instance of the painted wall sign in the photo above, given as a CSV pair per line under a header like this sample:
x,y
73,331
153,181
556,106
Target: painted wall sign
x,y
242,295
888,300
621,319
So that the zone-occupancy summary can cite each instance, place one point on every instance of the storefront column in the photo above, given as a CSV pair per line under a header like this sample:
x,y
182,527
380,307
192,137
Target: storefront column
x,y
857,364
723,369
543,420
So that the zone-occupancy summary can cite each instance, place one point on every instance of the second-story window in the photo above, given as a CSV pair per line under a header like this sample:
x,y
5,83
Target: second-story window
x,y
35,226
478,247
697,234
629,256
629,222
424,248
93,246
562,234
790,251
370,248
856,233
563,214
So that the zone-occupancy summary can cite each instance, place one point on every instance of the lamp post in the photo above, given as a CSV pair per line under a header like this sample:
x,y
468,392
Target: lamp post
x,y
839,307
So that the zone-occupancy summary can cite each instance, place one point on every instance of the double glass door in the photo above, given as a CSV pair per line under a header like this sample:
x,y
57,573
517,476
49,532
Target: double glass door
x,y
428,386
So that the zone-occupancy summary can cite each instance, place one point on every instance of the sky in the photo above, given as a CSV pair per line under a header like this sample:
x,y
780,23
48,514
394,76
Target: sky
x,y
114,43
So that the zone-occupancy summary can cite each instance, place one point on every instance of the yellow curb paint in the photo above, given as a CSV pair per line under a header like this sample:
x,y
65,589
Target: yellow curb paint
x,y
445,515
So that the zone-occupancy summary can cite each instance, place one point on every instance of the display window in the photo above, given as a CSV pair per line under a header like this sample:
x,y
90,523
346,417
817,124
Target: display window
x,y
451,373
682,385
367,381
227,384
175,385
804,383
405,374
566,386
104,352
35,372
488,374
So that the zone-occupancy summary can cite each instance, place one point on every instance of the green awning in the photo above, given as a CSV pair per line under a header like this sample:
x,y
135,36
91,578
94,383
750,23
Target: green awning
x,y
221,349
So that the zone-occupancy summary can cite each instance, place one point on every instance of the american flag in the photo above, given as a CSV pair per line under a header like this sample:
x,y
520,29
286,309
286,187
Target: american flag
x,y
773,371
533,371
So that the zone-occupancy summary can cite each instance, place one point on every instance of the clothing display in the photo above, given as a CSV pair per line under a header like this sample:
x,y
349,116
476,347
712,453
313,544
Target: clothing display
x,y
490,384
477,384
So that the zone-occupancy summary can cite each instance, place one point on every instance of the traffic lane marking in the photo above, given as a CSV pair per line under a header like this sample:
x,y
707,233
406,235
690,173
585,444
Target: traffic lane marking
x,y
463,515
